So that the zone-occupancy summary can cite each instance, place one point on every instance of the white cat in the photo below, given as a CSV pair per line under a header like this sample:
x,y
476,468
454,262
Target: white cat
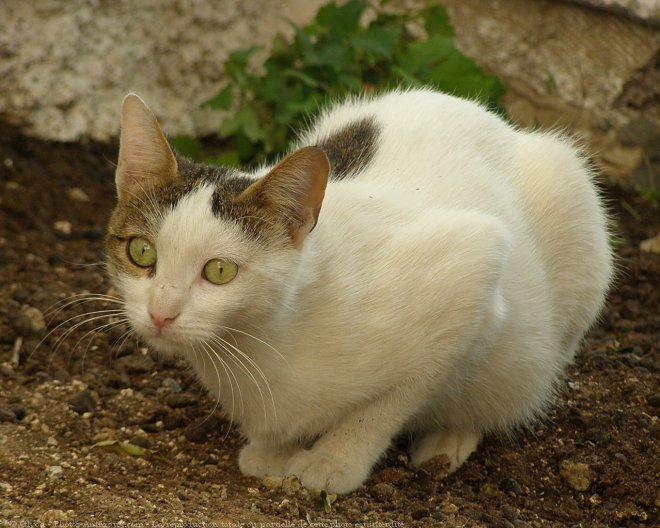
x,y
416,265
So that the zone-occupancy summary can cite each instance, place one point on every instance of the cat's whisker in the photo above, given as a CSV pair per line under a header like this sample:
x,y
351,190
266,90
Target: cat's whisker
x,y
229,330
224,343
229,373
237,361
105,313
94,332
119,342
82,298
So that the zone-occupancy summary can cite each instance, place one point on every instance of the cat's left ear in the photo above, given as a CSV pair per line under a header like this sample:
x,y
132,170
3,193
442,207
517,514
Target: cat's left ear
x,y
293,191
145,156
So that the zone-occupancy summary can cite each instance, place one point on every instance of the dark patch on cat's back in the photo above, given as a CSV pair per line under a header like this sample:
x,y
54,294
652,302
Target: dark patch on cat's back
x,y
351,148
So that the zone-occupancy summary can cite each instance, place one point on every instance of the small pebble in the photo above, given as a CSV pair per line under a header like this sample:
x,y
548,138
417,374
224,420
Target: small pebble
x,y
7,415
291,485
18,409
63,227
54,471
171,385
510,485
200,429
420,514
181,399
654,400
383,491
20,295
76,194
136,364
621,458
140,441
578,475
273,483
83,403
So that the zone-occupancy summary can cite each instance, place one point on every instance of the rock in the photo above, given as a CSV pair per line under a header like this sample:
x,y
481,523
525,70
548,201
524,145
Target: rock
x,y
419,514
54,517
510,485
291,485
76,194
7,415
653,400
651,245
83,403
63,227
54,471
578,475
181,399
272,483
200,429
20,295
18,409
140,441
383,491
621,458
136,364
28,321
171,385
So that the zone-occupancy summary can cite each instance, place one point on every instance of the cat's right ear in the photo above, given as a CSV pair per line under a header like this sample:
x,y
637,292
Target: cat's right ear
x,y
145,156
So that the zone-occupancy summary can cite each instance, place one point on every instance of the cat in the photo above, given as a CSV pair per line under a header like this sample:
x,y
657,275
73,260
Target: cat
x,y
414,265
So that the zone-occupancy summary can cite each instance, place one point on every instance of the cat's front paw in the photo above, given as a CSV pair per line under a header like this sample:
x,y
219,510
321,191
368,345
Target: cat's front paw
x,y
258,460
326,471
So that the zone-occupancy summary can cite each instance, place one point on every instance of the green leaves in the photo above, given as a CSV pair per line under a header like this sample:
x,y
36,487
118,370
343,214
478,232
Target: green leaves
x,y
337,53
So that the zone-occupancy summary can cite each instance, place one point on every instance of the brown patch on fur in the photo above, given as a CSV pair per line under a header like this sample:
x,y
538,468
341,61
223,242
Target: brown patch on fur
x,y
351,148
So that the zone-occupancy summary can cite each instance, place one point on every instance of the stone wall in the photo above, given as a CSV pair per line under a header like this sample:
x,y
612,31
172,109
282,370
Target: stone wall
x,y
65,66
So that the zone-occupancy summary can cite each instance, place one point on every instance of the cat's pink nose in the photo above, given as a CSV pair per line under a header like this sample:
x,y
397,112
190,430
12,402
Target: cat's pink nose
x,y
161,320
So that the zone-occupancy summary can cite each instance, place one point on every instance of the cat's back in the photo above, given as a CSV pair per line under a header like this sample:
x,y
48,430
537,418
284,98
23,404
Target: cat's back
x,y
436,150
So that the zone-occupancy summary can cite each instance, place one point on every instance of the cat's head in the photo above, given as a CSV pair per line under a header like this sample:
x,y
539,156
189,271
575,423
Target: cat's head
x,y
196,250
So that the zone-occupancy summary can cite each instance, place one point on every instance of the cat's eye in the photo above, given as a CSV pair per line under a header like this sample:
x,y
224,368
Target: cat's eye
x,y
220,271
141,252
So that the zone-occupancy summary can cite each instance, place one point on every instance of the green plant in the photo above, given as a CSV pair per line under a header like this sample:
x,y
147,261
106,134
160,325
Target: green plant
x,y
334,55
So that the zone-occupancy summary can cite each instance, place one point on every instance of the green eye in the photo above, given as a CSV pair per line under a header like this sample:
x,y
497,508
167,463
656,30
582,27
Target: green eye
x,y
141,252
220,271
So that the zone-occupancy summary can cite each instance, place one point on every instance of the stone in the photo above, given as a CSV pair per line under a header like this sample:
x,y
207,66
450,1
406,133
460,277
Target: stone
x,y
578,475
63,227
291,485
76,194
54,471
651,245
83,402
180,399
653,399
510,485
272,483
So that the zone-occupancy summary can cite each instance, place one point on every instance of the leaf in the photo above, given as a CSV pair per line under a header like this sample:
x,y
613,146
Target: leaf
x,y
425,53
306,79
378,40
341,21
325,498
186,146
222,101
437,21
121,448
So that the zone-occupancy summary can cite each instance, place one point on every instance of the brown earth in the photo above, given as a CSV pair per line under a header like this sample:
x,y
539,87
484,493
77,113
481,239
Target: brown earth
x,y
593,462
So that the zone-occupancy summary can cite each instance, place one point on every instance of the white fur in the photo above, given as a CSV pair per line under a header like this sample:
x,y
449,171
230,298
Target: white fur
x,y
442,292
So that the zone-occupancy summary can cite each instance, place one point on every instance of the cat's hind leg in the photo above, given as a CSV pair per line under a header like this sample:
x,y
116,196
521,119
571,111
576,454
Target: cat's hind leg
x,y
456,446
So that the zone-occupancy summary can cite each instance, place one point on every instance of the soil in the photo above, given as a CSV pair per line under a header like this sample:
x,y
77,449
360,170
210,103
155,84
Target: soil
x,y
593,462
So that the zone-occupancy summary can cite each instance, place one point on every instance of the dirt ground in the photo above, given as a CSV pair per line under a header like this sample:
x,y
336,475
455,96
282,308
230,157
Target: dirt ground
x,y
593,462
